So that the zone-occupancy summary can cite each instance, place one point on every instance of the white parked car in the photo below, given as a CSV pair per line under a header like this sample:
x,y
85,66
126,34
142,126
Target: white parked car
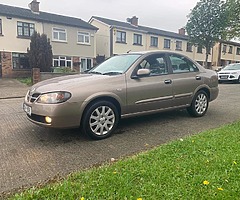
x,y
230,73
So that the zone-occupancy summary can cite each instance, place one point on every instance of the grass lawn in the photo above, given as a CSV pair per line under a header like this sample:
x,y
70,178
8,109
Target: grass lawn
x,y
27,81
203,166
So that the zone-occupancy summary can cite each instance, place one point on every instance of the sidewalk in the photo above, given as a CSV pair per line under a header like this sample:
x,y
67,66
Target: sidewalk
x,y
12,88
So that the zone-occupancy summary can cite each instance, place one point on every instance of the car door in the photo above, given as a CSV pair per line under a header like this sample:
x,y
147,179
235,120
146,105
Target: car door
x,y
185,79
150,92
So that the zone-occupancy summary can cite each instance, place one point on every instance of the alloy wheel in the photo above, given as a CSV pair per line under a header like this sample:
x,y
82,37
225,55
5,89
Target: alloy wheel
x,y
102,120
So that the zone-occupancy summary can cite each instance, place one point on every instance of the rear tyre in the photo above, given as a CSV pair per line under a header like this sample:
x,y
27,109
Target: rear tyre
x,y
100,120
238,81
199,104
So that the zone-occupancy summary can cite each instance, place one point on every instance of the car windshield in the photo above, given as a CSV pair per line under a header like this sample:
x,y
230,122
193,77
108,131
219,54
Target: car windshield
x,y
232,67
115,65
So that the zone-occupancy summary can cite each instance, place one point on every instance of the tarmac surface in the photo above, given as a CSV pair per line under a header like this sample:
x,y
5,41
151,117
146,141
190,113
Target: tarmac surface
x,y
12,88
32,155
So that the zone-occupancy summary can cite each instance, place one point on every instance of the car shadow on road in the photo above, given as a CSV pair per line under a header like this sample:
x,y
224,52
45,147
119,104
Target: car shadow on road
x,y
62,136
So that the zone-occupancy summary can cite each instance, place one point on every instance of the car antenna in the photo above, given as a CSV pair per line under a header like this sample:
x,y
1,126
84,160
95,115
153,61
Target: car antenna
x,y
129,51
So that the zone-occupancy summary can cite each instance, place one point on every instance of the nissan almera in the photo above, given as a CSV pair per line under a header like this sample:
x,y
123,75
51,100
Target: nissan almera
x,y
125,85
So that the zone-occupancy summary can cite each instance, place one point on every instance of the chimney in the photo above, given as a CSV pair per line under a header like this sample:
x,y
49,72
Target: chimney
x,y
34,6
133,20
181,31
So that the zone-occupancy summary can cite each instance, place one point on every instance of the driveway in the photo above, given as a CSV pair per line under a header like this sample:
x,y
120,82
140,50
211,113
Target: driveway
x,y
31,154
12,88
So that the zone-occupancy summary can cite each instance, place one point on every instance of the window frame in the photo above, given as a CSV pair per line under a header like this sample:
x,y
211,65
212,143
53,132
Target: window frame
x,y
154,41
25,27
167,43
152,62
238,51
58,31
86,61
199,49
85,36
187,63
137,39
16,61
121,39
189,47
179,45
230,50
224,50
64,59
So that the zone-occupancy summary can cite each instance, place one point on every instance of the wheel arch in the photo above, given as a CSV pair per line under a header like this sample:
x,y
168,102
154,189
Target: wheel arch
x,y
205,89
111,99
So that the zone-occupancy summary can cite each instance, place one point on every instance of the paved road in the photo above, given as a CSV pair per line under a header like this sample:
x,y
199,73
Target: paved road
x,y
30,154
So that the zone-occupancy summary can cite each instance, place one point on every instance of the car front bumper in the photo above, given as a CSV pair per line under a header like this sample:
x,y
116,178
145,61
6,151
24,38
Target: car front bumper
x,y
228,77
63,115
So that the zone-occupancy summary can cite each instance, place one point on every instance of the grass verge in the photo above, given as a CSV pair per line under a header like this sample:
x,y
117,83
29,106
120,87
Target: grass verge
x,y
27,81
203,166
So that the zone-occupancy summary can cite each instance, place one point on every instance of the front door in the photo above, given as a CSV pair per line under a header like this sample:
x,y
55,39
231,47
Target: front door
x,y
152,92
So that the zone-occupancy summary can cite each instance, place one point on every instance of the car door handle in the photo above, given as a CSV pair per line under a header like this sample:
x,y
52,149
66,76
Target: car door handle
x,y
198,78
169,81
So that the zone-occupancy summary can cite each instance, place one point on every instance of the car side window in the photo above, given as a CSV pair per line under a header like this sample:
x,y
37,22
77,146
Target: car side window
x,y
156,64
180,64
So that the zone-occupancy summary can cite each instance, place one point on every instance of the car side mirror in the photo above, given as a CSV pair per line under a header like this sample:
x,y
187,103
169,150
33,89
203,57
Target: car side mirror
x,y
142,73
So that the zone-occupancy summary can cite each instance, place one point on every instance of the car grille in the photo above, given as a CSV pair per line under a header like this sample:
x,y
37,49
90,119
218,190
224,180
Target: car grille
x,y
32,97
223,76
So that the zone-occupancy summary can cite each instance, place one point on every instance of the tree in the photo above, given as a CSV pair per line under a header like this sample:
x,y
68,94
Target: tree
x,y
206,24
40,52
233,10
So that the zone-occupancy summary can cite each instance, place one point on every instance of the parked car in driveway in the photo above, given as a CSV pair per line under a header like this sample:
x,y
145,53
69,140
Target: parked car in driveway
x,y
125,85
230,73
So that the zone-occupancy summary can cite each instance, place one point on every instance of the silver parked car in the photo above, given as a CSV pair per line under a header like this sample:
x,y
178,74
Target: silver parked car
x,y
125,85
230,73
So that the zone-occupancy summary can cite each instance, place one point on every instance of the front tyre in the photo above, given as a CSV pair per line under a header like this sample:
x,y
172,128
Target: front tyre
x,y
100,120
199,104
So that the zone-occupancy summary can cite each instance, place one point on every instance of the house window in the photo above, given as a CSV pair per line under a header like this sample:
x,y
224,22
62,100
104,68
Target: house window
x,y
0,26
86,63
199,49
25,29
59,34
224,48
230,49
167,43
62,61
137,39
238,51
189,47
121,37
154,41
178,45
83,38
20,61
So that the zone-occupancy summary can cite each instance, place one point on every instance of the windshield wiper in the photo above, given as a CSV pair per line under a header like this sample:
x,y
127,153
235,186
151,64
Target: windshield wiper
x,y
112,73
94,72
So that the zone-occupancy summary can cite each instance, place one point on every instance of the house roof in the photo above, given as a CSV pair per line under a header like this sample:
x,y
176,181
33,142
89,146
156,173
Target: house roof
x,y
10,11
149,30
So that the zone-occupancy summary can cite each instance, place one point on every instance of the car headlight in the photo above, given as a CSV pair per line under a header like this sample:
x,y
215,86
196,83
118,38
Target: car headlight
x,y
54,97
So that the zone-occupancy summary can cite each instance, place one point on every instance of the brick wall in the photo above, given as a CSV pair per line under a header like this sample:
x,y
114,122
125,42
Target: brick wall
x,y
76,64
6,58
7,71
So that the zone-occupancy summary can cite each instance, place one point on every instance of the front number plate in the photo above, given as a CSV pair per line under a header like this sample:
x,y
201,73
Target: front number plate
x,y
27,109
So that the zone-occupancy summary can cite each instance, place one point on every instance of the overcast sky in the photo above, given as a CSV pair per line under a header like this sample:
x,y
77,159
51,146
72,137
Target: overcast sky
x,y
169,15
